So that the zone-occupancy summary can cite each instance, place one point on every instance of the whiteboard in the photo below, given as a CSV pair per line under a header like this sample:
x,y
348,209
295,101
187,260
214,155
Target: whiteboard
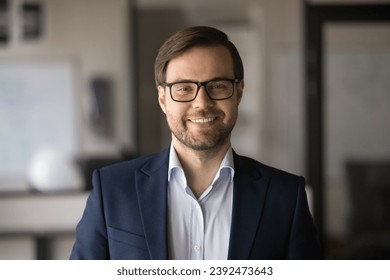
x,y
37,109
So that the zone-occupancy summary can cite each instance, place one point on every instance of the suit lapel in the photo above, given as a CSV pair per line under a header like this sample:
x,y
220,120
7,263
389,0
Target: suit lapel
x,y
250,188
151,185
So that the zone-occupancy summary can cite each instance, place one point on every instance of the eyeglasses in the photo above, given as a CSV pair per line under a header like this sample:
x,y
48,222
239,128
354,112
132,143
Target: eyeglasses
x,y
188,91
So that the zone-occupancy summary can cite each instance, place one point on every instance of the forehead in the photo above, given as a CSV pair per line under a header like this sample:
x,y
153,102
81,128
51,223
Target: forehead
x,y
201,64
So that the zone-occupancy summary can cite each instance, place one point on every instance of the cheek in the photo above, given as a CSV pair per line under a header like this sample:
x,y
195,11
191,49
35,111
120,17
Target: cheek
x,y
174,113
231,111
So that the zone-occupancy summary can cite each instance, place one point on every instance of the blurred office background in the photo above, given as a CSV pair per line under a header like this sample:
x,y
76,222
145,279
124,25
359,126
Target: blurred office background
x,y
77,92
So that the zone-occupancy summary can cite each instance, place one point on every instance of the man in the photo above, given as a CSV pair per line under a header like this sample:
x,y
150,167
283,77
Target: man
x,y
198,199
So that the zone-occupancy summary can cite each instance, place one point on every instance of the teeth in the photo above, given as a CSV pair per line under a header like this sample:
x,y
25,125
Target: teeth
x,y
203,120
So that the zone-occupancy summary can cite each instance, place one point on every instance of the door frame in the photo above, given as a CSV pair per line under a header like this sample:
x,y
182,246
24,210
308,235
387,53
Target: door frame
x,y
315,17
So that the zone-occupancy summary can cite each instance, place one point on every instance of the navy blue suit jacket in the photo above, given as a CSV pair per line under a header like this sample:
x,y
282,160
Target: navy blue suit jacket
x,y
126,213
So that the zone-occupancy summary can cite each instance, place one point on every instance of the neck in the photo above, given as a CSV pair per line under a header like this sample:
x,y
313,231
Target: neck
x,y
200,167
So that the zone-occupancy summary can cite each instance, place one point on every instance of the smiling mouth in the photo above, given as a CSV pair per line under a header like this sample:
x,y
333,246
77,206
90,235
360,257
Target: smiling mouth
x,y
206,120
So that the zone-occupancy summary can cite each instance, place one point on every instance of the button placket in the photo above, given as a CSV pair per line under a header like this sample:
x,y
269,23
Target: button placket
x,y
197,229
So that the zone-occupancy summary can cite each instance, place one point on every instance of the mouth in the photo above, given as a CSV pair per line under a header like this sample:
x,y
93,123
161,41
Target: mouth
x,y
203,120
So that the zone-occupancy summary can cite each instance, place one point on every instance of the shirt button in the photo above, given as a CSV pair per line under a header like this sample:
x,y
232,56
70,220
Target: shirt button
x,y
196,248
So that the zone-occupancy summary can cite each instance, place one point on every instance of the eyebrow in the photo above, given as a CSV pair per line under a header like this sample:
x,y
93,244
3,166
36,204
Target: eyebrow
x,y
179,80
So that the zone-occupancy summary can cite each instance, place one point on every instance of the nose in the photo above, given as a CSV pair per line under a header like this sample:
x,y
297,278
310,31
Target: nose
x,y
202,100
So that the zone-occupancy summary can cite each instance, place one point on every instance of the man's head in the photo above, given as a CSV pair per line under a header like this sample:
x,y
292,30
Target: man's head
x,y
199,79
194,37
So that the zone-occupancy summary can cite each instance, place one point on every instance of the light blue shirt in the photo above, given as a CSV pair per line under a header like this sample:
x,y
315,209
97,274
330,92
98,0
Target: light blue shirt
x,y
199,228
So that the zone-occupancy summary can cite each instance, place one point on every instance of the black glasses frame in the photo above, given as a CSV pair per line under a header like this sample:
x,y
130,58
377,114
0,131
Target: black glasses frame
x,y
200,84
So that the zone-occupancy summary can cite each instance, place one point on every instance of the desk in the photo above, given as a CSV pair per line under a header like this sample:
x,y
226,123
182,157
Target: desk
x,y
41,216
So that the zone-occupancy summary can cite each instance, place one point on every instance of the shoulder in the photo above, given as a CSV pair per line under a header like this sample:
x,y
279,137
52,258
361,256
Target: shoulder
x,y
147,162
280,185
284,190
263,170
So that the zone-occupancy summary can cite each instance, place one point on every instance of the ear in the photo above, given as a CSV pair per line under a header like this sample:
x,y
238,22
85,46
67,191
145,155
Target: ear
x,y
240,91
161,98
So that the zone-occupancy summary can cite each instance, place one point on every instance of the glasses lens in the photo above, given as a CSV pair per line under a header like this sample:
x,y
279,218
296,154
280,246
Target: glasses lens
x,y
184,91
221,89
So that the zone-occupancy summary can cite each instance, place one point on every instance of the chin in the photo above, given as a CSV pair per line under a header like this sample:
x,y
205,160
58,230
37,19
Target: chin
x,y
204,145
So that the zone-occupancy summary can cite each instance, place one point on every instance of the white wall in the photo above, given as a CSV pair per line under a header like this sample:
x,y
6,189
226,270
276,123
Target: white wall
x,y
283,120
93,34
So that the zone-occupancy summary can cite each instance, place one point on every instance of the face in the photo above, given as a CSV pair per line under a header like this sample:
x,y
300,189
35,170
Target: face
x,y
201,124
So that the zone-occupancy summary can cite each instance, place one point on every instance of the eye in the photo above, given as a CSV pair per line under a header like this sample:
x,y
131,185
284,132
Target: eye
x,y
183,88
219,85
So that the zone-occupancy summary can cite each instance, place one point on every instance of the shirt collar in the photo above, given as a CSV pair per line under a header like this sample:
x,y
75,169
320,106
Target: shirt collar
x,y
226,164
174,162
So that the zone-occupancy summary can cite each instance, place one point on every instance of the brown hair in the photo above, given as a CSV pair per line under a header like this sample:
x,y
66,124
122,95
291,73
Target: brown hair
x,y
190,37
